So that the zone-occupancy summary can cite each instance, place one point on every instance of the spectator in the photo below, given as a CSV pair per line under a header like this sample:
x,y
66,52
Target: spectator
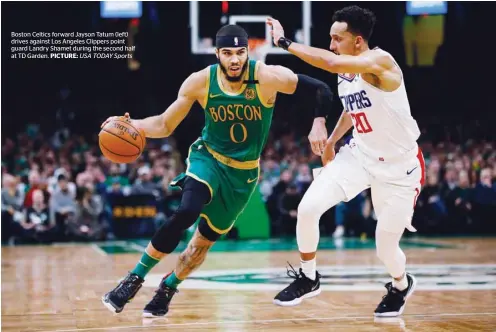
x,y
159,172
265,187
53,182
86,225
279,189
37,220
448,188
144,183
484,200
460,207
115,181
77,163
35,183
303,178
288,211
271,171
11,206
269,176
62,205
431,211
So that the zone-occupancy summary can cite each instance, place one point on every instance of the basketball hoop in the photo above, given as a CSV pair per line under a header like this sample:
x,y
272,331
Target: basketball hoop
x,y
257,48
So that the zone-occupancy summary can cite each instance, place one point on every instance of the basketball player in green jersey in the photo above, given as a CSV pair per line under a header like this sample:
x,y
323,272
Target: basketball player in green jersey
x,y
238,97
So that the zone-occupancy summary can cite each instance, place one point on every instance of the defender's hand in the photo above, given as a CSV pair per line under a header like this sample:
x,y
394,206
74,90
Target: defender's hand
x,y
318,136
329,153
277,30
124,117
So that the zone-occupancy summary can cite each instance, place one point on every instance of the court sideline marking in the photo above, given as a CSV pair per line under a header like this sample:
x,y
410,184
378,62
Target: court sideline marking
x,y
99,250
269,321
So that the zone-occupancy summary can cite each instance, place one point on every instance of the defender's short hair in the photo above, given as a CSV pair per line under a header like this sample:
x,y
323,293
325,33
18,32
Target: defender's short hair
x,y
360,21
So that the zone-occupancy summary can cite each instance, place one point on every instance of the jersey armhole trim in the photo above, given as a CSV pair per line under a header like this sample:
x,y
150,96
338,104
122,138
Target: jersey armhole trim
x,y
380,90
207,87
263,101
395,64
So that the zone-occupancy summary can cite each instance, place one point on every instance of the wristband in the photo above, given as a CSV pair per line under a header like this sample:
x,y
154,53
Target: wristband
x,y
284,43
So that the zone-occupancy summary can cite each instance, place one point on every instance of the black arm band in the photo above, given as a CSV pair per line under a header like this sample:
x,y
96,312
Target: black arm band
x,y
284,43
308,86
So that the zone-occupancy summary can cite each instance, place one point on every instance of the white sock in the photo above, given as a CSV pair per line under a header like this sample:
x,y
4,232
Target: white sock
x,y
309,268
402,284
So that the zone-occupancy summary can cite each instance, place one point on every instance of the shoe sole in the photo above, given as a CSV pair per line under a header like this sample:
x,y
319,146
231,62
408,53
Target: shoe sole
x,y
151,315
297,300
109,306
399,312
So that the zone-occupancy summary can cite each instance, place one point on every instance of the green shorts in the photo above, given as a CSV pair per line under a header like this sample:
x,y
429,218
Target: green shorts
x,y
230,187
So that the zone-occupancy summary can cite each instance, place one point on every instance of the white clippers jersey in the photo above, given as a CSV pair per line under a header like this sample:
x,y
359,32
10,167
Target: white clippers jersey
x,y
383,125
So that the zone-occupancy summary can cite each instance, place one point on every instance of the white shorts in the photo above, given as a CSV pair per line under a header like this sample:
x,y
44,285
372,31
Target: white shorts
x,y
395,185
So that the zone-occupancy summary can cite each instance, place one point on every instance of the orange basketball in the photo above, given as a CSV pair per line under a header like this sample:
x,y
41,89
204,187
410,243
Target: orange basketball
x,y
121,142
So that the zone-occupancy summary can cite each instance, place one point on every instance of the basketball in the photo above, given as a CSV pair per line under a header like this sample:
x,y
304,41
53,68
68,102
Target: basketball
x,y
121,142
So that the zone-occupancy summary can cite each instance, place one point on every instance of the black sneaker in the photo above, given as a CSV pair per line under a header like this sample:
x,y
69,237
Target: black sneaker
x,y
116,299
159,305
393,303
301,288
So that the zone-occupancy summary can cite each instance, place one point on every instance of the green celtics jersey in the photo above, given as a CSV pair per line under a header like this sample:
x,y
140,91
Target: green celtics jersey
x,y
236,124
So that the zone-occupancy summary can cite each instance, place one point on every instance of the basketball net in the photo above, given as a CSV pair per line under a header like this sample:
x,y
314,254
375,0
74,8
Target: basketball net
x,y
257,48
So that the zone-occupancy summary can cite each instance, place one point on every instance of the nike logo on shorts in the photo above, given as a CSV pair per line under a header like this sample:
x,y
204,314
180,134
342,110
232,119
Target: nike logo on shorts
x,y
410,172
251,180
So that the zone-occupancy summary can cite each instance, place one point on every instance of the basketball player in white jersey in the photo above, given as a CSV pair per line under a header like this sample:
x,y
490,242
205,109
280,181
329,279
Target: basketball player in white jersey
x,y
382,155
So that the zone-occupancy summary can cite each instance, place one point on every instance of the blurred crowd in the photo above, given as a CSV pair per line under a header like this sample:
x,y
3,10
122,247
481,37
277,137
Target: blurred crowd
x,y
57,188
459,196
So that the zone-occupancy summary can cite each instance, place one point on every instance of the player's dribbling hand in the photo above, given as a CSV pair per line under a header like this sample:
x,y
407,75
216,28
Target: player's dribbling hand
x,y
277,30
124,117
329,153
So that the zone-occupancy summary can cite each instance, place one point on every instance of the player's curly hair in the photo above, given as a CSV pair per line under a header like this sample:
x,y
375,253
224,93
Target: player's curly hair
x,y
361,21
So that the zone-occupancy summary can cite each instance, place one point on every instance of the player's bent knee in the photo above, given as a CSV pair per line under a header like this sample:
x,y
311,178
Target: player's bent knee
x,y
316,202
308,210
169,234
311,206
195,196
186,216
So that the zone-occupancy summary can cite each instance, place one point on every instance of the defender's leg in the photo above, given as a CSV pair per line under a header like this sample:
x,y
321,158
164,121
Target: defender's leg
x,y
394,208
340,180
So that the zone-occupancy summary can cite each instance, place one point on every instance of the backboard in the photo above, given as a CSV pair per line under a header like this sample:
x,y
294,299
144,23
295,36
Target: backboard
x,y
207,17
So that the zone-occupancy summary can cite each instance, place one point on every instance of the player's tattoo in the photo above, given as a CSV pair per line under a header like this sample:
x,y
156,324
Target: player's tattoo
x,y
193,256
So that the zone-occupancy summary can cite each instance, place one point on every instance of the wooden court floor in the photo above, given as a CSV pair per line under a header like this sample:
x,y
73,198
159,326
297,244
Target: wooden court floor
x,y
58,288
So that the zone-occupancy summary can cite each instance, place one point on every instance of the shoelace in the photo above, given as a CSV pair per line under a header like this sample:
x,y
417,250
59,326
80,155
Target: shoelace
x,y
162,294
293,273
391,296
298,285
125,288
